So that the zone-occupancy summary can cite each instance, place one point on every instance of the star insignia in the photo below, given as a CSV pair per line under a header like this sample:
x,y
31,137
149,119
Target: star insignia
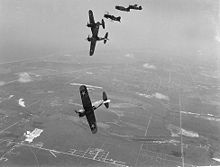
x,y
83,93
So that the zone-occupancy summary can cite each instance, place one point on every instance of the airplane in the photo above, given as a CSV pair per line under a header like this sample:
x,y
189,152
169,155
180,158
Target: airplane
x,y
112,17
89,108
135,7
122,8
95,29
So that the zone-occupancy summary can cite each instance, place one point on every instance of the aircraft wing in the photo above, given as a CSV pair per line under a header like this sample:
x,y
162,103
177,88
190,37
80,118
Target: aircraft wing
x,y
92,47
87,105
86,102
94,28
92,121
91,17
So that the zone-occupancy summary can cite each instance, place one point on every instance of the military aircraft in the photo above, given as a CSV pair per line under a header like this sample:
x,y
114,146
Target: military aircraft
x,y
122,8
89,108
95,29
135,7
112,17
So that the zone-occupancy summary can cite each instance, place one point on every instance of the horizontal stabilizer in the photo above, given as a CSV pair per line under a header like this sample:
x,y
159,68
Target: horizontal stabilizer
x,y
107,101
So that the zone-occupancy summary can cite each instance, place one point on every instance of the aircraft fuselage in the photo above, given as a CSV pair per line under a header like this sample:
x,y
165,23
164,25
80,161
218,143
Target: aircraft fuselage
x,y
95,38
95,25
95,105
122,8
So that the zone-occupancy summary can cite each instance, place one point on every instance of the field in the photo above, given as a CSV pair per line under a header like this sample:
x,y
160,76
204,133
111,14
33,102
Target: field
x,y
163,111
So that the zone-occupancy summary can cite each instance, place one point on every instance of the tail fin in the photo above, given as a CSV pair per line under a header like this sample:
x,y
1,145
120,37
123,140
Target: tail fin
x,y
106,38
105,99
103,24
119,18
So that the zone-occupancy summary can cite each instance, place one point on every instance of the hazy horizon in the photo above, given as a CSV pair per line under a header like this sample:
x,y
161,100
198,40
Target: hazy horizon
x,y
160,69
35,27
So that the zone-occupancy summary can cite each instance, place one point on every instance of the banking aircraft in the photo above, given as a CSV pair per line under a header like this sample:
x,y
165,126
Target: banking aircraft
x,y
89,108
127,9
95,29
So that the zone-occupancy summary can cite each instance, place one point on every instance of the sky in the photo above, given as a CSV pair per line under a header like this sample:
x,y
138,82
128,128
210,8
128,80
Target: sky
x,y
45,26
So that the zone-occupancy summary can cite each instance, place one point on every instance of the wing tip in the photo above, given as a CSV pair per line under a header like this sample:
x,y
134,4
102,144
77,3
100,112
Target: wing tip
x,y
91,52
94,131
93,128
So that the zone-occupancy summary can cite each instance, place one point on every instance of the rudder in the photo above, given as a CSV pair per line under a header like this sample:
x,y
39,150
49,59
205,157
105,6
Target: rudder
x,y
119,18
105,98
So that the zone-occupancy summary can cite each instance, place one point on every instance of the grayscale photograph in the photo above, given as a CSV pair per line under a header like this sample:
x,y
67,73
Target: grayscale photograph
x,y
109,83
